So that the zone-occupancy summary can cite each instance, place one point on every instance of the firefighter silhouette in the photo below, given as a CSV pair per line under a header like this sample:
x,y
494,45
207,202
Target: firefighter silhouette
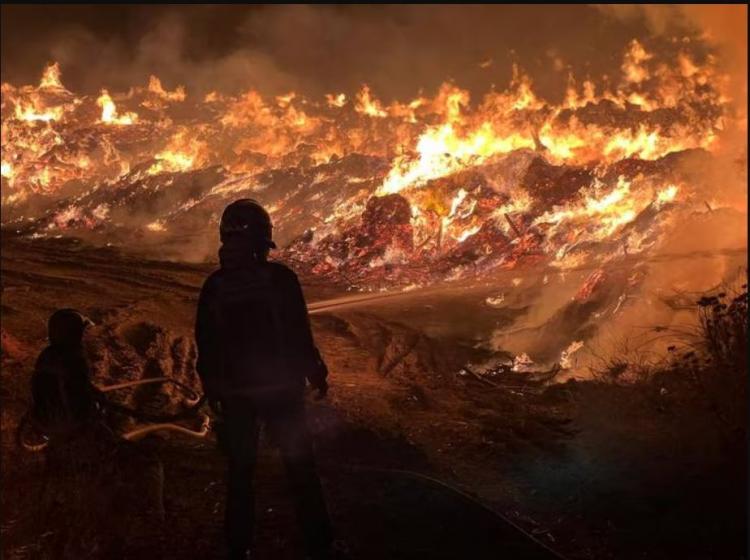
x,y
72,413
255,354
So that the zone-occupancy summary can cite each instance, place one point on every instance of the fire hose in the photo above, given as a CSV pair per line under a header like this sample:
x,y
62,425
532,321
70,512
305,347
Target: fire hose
x,y
459,493
167,422
160,422
504,275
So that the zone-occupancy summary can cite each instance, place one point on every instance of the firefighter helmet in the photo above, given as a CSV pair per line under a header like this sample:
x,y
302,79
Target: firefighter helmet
x,y
246,217
66,326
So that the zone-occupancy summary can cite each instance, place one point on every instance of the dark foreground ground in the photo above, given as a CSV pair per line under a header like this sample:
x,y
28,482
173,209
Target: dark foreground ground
x,y
591,470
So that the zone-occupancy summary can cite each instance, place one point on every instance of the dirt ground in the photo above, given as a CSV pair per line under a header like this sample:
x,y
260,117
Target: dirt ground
x,y
590,470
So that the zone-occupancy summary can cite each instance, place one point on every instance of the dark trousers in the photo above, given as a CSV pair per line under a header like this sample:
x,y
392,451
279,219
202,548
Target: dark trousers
x,y
238,436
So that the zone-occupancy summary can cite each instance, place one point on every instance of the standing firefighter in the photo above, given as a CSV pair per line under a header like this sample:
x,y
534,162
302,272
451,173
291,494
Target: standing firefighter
x,y
255,351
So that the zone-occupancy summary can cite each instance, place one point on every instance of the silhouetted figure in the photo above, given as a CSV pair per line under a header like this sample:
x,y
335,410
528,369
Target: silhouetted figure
x,y
72,414
66,404
255,351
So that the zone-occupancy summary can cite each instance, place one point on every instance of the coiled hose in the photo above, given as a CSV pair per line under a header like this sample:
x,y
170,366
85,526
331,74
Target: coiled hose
x,y
159,422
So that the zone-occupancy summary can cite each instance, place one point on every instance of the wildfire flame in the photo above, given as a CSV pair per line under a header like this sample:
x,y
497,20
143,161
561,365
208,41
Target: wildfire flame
x,y
367,105
655,107
109,111
31,113
154,86
336,100
52,77
181,153
6,169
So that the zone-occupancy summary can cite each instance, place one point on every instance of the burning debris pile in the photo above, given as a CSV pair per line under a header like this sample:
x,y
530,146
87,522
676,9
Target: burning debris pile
x,y
366,193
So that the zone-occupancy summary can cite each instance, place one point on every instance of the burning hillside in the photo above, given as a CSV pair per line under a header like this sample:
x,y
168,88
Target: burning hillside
x,y
374,195
474,178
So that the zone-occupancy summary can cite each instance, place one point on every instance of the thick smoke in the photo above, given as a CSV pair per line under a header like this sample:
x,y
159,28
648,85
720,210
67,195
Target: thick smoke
x,y
397,50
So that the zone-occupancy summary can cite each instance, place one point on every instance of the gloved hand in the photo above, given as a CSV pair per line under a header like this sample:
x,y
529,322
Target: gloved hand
x,y
318,379
322,388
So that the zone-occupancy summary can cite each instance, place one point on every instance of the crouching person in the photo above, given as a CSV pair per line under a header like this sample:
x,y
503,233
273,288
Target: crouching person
x,y
102,471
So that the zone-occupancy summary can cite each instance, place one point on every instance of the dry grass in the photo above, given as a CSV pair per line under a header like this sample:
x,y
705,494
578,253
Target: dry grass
x,y
706,365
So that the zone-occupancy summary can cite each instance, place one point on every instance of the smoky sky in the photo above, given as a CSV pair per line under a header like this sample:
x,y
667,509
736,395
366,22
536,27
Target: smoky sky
x,y
396,49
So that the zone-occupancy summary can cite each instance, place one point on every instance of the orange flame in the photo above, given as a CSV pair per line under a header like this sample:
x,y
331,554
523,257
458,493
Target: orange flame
x,y
109,111
51,77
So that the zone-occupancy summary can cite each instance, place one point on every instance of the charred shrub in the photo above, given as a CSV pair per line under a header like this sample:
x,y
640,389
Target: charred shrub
x,y
721,373
723,324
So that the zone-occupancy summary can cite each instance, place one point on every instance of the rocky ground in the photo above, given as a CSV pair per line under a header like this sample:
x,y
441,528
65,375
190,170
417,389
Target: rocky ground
x,y
592,470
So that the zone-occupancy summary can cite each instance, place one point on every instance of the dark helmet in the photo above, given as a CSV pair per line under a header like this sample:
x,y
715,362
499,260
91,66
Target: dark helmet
x,y
66,326
247,218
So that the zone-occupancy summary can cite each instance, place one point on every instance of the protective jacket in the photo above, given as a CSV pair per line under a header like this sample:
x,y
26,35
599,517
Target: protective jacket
x,y
252,330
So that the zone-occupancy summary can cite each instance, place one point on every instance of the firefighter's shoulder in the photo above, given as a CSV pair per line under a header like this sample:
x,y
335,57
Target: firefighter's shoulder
x,y
282,272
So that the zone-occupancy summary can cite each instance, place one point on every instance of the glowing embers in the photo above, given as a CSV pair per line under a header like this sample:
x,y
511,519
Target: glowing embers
x,y
157,226
600,214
